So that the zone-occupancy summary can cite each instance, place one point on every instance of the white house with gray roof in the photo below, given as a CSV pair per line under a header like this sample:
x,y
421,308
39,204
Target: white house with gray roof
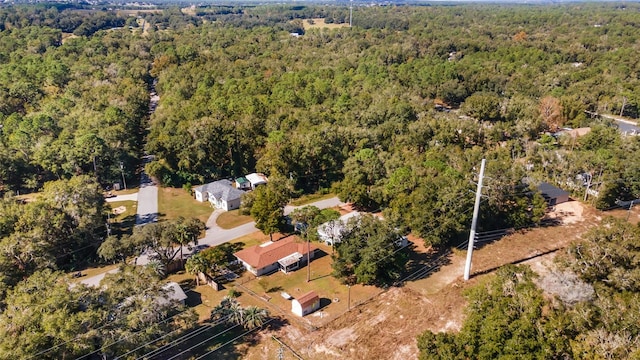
x,y
221,194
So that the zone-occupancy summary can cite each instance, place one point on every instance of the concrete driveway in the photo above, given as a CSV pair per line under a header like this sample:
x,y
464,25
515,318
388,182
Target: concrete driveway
x,y
216,235
94,281
147,198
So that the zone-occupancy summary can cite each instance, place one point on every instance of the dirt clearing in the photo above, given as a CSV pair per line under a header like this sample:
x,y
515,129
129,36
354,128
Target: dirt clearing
x,y
319,23
386,327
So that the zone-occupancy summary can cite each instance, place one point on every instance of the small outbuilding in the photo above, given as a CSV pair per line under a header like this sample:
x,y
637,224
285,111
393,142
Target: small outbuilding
x,y
553,194
256,179
305,304
243,184
173,293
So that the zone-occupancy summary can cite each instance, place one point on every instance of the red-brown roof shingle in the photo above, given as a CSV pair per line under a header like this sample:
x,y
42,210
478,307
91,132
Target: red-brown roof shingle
x,y
261,256
308,299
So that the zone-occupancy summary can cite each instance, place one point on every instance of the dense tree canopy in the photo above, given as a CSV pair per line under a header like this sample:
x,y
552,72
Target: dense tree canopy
x,y
48,318
393,114
60,229
368,253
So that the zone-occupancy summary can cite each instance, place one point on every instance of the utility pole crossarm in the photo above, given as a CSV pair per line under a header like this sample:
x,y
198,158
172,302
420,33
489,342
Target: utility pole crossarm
x,y
474,222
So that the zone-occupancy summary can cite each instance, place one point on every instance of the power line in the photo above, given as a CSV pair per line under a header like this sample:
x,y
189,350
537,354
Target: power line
x,y
79,336
91,329
128,336
167,334
183,338
230,341
204,341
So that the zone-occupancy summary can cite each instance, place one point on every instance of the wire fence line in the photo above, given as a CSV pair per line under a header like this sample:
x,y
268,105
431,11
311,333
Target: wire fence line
x,y
282,343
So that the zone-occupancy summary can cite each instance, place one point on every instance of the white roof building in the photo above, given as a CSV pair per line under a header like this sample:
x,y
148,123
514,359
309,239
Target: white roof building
x,y
332,230
256,179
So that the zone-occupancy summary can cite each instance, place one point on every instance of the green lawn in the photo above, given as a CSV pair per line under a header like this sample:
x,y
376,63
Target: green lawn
x,y
123,223
333,294
231,219
256,238
308,199
173,203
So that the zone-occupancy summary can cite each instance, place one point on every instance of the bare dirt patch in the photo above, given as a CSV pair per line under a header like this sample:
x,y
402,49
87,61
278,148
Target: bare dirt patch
x,y
319,23
119,210
567,213
386,327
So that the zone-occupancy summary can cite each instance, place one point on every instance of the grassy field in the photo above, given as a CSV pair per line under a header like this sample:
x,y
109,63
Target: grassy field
x,y
125,192
319,23
334,295
231,219
308,199
124,222
173,203
28,197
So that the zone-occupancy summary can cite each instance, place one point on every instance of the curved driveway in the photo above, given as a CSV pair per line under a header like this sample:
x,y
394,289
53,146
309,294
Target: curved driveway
x,y
215,235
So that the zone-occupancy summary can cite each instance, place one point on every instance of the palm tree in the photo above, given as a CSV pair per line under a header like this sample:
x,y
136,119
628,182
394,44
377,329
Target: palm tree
x,y
254,317
236,313
187,232
158,267
196,265
228,310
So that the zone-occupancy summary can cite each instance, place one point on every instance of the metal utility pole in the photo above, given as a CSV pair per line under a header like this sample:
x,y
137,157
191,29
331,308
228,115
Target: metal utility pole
x,y
349,298
474,222
124,182
586,191
308,258
629,213
351,13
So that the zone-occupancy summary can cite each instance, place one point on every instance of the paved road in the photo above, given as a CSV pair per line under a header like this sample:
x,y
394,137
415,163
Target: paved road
x,y
322,204
624,125
147,198
127,197
94,281
216,235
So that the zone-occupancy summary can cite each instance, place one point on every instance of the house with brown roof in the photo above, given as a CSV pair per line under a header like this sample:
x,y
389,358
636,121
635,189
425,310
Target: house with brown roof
x,y
284,255
305,304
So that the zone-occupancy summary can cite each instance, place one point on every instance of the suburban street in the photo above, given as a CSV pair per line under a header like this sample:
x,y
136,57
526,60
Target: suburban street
x,y
147,198
126,197
216,235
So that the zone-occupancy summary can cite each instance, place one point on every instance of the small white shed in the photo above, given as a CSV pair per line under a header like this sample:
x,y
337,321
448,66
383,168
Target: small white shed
x,y
305,304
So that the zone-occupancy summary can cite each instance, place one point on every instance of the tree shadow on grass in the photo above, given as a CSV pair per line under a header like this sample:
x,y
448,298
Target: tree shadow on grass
x,y
324,302
234,345
421,265
194,298
124,226
274,289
